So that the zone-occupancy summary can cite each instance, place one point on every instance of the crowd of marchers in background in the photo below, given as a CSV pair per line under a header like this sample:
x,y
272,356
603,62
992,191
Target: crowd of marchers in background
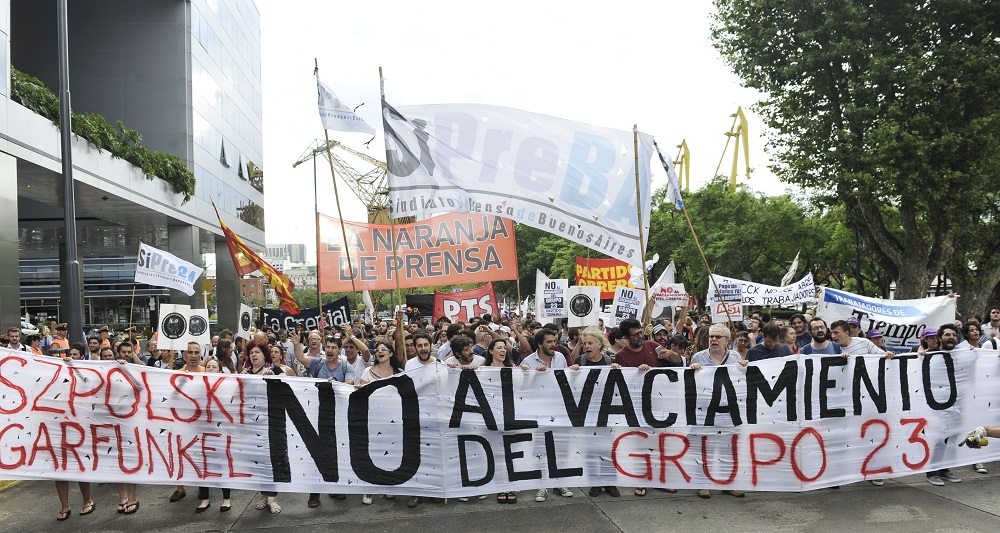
x,y
360,353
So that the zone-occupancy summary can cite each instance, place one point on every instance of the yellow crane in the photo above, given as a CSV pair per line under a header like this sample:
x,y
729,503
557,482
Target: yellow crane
x,y
740,132
682,164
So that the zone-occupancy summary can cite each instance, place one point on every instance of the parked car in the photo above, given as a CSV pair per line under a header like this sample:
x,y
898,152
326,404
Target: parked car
x,y
27,328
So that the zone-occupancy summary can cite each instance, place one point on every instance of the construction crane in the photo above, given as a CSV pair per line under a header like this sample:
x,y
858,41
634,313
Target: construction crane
x,y
682,164
369,187
740,132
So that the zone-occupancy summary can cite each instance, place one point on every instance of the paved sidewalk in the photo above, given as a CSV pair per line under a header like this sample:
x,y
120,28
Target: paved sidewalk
x,y
906,505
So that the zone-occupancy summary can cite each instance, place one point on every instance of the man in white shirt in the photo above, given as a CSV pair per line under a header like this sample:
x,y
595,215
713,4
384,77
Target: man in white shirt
x,y
840,330
461,353
422,345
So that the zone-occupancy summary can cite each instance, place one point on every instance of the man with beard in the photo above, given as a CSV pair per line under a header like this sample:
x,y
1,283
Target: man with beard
x,y
820,339
801,326
422,347
94,348
314,341
461,353
945,338
640,353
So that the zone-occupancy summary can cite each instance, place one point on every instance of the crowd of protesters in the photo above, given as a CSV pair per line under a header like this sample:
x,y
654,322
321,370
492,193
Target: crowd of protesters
x,y
358,354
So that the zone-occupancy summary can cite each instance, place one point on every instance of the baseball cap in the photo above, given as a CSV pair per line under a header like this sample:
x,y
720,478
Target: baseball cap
x,y
854,321
874,334
658,328
928,332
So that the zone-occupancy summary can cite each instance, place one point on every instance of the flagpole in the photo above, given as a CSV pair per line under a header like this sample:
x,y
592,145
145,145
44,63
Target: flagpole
x,y
392,224
340,215
131,306
638,208
711,277
319,295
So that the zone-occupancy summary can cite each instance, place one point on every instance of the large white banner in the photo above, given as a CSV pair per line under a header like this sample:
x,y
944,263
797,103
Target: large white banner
x,y
791,424
161,269
567,178
900,321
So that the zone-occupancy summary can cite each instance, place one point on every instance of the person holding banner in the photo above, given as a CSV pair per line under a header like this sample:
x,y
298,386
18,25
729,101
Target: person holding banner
x,y
640,353
770,347
62,487
461,353
497,355
545,356
386,365
718,354
821,343
212,366
422,346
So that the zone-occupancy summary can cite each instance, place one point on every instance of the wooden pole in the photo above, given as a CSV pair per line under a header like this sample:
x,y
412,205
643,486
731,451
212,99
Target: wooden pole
x,y
340,215
638,208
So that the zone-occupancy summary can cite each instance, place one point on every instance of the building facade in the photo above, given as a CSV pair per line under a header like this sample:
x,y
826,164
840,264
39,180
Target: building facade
x,y
186,75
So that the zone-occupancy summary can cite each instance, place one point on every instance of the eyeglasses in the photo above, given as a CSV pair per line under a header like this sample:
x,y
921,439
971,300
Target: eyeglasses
x,y
718,337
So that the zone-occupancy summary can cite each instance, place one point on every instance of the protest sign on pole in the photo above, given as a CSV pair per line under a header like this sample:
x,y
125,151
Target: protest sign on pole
x,y
550,297
198,329
583,305
246,321
627,303
173,327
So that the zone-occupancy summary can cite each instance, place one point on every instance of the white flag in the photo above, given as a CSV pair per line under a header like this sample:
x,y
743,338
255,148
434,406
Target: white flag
x,y
570,179
673,184
666,278
335,115
366,297
791,271
161,269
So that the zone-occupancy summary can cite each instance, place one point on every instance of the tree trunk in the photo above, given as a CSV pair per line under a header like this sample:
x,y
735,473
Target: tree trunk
x,y
914,280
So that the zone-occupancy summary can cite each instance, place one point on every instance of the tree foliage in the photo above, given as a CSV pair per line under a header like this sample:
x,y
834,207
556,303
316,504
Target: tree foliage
x,y
888,109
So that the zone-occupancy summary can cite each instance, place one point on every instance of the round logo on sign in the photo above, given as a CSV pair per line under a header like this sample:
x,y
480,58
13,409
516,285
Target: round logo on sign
x,y
245,321
581,305
174,326
198,325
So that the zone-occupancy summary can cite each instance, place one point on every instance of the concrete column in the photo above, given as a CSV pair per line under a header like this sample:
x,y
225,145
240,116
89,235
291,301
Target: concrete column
x,y
227,286
10,283
185,243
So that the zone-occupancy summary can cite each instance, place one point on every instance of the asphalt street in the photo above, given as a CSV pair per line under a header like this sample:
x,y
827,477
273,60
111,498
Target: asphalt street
x,y
908,504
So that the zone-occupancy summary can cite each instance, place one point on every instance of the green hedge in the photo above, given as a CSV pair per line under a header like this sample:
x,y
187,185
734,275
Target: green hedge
x,y
121,142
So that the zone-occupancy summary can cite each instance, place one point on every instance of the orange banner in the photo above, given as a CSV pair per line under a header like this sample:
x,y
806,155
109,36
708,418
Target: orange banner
x,y
448,249
608,274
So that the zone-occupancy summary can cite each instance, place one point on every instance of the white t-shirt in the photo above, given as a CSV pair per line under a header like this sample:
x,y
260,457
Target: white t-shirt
x,y
477,360
861,346
359,364
415,363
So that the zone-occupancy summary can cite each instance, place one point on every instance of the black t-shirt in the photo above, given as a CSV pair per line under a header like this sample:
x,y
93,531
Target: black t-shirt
x,y
759,352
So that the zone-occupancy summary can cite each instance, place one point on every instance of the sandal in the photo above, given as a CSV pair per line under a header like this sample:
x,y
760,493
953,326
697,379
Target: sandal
x,y
131,508
177,496
64,515
274,507
262,504
121,507
502,497
511,497
640,492
87,509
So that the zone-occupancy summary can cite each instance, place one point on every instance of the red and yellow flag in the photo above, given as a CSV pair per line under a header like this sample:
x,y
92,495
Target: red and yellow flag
x,y
247,261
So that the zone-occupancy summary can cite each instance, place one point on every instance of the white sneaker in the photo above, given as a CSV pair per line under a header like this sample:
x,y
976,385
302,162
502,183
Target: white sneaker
x,y
980,468
463,499
483,496
367,498
566,493
542,494
878,482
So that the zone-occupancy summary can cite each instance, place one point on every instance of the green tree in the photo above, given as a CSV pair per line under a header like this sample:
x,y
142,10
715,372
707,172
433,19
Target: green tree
x,y
888,109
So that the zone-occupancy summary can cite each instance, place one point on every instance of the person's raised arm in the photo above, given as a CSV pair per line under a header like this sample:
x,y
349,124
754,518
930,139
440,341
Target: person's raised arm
x,y
397,336
296,340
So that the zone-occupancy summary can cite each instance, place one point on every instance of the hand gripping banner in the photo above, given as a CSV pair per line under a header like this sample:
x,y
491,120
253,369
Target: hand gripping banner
x,y
791,424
